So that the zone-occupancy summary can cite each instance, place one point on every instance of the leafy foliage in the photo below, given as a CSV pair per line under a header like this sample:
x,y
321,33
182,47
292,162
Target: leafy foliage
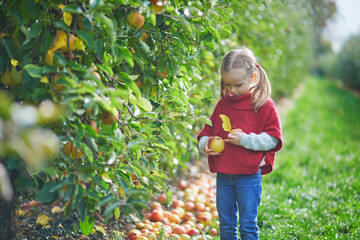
x,y
133,91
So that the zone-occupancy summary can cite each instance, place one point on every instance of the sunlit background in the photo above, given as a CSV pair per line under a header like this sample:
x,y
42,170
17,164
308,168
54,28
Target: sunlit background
x,y
345,23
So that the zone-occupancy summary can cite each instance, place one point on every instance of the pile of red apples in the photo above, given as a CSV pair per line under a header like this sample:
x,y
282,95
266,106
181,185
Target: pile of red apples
x,y
190,214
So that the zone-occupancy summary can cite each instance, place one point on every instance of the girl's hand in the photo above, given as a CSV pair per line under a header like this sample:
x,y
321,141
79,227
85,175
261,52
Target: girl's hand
x,y
234,137
208,150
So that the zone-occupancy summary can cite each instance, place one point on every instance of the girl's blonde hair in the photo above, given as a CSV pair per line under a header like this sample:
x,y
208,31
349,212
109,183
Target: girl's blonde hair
x,y
245,59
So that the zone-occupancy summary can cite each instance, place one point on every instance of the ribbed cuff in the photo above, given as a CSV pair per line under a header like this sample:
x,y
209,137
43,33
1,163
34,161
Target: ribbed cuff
x,y
202,142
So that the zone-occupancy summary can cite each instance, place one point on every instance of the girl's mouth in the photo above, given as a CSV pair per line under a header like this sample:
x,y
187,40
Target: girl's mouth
x,y
232,95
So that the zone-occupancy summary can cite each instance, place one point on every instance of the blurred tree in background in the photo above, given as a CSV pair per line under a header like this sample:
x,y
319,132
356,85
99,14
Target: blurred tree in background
x,y
124,87
347,62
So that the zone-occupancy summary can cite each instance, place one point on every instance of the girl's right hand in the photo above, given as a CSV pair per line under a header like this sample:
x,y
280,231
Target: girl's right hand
x,y
208,150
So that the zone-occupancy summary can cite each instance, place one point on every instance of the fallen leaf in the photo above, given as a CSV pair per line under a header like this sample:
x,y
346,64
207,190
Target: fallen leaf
x,y
42,220
225,122
100,229
34,203
55,209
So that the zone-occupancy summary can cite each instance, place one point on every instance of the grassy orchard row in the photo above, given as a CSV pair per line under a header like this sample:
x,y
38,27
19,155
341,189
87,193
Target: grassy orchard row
x,y
191,215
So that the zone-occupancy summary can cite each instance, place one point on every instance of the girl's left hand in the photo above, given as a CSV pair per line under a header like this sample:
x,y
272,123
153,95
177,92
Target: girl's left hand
x,y
234,137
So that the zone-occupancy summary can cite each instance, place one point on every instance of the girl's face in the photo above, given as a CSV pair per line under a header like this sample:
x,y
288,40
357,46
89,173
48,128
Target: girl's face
x,y
236,82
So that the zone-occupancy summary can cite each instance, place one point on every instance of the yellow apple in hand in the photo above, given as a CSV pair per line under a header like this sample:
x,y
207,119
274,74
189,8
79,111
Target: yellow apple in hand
x,y
217,144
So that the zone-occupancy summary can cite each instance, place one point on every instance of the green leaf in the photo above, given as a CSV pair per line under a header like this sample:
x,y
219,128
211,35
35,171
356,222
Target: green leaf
x,y
86,37
95,3
129,81
32,9
226,30
8,43
62,25
48,69
46,194
33,70
175,68
87,225
186,25
143,48
108,26
79,193
117,213
4,59
152,19
111,207
106,69
141,102
126,54
71,8
35,30
107,199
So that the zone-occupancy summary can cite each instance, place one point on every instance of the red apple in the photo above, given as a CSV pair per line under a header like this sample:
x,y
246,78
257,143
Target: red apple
x,y
193,231
144,231
177,203
205,218
200,226
162,199
147,216
174,218
189,206
133,234
189,216
182,184
157,215
179,211
179,230
200,206
158,225
213,231
155,205
167,229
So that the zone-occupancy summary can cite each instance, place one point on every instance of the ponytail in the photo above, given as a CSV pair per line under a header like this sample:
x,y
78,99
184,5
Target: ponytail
x,y
262,90
222,89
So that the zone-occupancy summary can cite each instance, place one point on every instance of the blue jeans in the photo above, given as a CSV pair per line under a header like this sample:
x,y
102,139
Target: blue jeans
x,y
237,201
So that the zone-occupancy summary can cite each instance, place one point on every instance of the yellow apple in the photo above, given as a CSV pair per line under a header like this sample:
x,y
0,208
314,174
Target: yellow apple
x,y
135,20
217,144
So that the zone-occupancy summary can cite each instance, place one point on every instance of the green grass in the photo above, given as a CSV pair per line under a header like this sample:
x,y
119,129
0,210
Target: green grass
x,y
314,190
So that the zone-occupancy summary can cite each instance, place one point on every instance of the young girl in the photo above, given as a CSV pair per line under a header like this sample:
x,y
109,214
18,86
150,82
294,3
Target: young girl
x,y
249,149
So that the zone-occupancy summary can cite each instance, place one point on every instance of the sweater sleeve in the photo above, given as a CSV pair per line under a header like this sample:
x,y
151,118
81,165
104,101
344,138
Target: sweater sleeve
x,y
258,142
273,128
202,142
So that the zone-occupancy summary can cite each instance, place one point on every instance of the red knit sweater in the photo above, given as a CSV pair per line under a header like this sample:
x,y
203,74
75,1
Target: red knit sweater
x,y
237,159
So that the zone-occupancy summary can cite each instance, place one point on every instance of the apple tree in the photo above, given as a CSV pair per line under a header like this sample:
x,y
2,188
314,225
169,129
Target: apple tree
x,y
120,75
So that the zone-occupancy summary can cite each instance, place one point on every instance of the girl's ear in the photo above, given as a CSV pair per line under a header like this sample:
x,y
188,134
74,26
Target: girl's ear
x,y
254,76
